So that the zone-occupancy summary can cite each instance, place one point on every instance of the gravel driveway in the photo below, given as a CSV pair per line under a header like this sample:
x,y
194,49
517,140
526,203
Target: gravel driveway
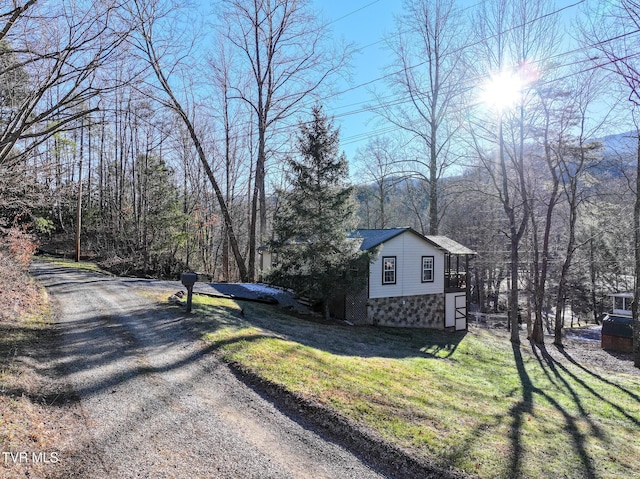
x,y
155,404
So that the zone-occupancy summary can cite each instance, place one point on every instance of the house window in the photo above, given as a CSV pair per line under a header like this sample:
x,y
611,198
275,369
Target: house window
x,y
389,270
427,269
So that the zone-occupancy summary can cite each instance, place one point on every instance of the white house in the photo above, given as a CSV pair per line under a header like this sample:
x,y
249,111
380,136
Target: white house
x,y
415,281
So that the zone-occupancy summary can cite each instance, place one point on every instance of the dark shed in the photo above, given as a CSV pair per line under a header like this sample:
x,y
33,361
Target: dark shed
x,y
617,333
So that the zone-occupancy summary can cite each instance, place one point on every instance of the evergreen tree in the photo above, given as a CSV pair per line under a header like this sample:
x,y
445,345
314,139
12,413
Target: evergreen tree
x,y
314,255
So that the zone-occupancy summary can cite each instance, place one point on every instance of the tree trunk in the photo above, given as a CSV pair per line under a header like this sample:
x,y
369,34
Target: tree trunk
x,y
513,294
636,291
257,223
433,179
253,227
538,329
89,165
592,275
560,304
79,203
480,290
515,236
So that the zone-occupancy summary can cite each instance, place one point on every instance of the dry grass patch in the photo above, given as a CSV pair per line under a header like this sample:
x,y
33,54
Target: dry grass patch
x,y
34,429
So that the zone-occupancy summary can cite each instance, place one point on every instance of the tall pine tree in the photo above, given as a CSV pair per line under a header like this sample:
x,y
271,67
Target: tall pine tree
x,y
314,255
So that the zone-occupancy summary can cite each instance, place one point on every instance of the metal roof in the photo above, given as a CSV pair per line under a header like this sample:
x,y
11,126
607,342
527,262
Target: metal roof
x,y
449,245
375,237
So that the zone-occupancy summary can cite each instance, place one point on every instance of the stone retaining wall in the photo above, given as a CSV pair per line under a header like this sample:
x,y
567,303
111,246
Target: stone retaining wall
x,y
424,311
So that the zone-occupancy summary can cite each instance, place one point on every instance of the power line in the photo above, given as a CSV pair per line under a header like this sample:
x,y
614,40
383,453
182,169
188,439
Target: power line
x,y
397,34
476,80
458,50
397,101
392,100
353,12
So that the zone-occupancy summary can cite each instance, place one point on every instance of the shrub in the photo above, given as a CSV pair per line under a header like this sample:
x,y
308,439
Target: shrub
x,y
18,293
20,245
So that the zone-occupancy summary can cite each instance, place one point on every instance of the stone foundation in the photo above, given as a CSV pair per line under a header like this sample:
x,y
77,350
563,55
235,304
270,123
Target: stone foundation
x,y
424,311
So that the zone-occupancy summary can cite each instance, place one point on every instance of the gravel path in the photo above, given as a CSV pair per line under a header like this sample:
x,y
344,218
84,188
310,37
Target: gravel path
x,y
154,402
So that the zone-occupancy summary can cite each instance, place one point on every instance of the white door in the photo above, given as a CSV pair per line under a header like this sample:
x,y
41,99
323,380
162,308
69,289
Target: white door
x,y
456,311
461,312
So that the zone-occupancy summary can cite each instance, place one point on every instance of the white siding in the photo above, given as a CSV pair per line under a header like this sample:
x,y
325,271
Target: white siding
x,y
408,250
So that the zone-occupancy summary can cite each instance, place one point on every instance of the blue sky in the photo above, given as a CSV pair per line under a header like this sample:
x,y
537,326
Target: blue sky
x,y
364,22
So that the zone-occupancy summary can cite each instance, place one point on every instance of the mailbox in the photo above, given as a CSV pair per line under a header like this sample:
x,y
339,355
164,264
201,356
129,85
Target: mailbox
x,y
189,279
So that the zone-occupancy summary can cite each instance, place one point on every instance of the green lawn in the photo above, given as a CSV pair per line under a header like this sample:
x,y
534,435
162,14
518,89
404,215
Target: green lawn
x,y
470,400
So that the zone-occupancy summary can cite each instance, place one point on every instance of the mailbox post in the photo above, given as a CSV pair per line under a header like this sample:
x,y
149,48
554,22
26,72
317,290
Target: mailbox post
x,y
189,279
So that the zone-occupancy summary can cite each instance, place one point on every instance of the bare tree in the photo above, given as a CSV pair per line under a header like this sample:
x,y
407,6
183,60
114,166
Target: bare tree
x,y
146,15
59,50
576,155
510,186
563,142
474,217
514,37
427,73
612,32
380,168
233,121
553,139
288,58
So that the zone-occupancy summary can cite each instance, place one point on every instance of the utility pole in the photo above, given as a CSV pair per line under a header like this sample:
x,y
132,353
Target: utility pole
x,y
79,204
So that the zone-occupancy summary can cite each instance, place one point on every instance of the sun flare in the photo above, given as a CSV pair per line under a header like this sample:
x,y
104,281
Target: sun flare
x,y
502,91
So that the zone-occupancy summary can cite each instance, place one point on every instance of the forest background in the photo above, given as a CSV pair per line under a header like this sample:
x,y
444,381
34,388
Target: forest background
x,y
155,135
